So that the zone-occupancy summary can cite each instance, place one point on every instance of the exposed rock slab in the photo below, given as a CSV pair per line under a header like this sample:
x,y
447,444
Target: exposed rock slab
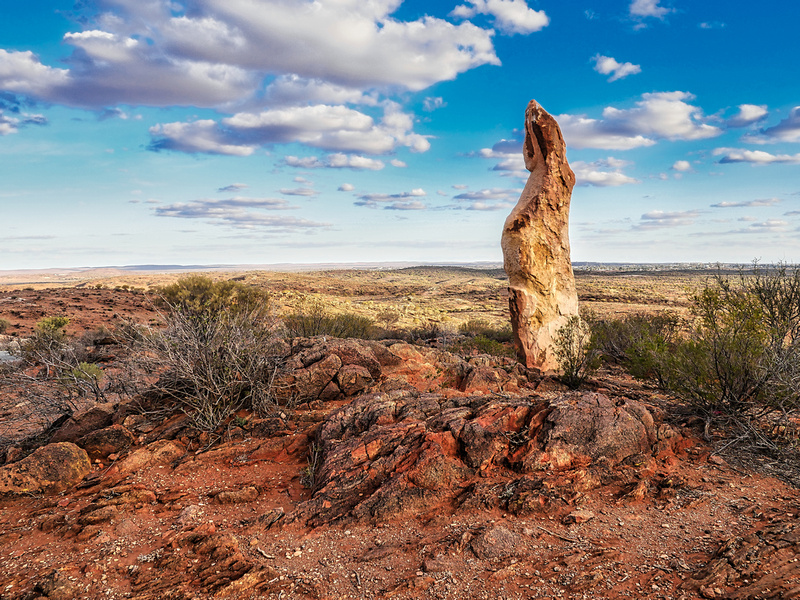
x,y
542,294
396,452
49,470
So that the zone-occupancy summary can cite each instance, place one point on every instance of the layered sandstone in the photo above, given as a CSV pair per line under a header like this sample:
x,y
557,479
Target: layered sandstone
x,y
535,244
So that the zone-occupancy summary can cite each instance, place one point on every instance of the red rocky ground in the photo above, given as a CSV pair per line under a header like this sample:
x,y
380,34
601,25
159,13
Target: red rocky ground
x,y
404,472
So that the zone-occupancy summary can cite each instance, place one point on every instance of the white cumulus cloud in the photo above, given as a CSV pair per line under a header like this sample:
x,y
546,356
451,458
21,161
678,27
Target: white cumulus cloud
x,y
756,157
336,128
398,200
658,115
747,115
648,8
234,187
606,65
336,161
788,130
658,219
239,213
602,173
682,166
748,203
510,16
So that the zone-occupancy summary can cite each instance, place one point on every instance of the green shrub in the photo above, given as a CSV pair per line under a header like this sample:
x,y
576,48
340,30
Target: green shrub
x,y
48,344
640,342
732,361
87,371
64,360
738,362
481,344
4,324
577,356
52,328
314,319
199,295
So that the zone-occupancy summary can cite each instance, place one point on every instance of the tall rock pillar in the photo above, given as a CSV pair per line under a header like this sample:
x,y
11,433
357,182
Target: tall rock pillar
x,y
541,285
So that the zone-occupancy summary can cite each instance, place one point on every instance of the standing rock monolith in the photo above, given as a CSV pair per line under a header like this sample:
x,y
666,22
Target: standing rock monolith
x,y
535,243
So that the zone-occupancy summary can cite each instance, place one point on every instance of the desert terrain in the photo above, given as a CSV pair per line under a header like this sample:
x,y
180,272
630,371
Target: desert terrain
x,y
425,474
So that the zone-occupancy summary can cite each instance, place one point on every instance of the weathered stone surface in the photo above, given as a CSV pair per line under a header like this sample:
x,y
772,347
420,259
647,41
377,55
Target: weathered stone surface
x,y
83,423
497,542
49,470
484,379
58,586
160,452
246,494
111,440
759,565
535,243
395,452
586,427
310,382
353,379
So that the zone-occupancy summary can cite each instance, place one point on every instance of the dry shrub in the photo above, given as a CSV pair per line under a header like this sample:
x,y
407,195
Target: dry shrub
x,y
63,361
639,342
482,328
740,358
213,358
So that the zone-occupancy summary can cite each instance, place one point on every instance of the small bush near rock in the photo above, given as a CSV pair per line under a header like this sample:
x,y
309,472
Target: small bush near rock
x,y
65,361
480,344
742,353
4,324
639,342
576,354
737,362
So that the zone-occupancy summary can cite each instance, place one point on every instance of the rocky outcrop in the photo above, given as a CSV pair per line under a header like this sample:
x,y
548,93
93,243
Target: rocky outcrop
x,y
762,564
111,440
325,369
535,243
85,422
390,453
49,470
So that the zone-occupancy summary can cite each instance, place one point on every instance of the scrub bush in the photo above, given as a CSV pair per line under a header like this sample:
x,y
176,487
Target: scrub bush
x,y
313,318
575,352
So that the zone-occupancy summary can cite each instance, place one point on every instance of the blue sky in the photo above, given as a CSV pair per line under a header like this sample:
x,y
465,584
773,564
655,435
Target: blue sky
x,y
275,131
